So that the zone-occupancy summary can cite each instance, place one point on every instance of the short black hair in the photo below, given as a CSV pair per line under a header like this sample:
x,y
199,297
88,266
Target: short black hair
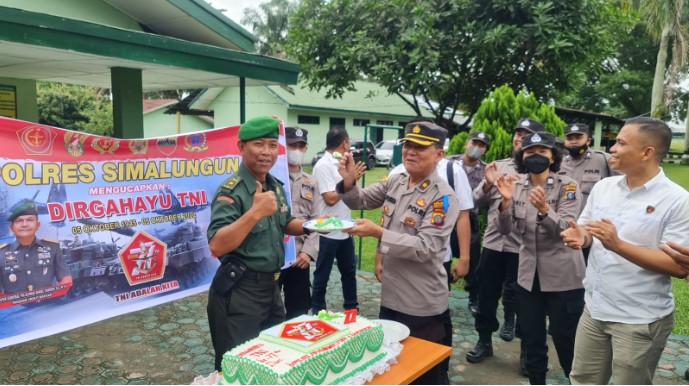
x,y
554,167
656,131
335,137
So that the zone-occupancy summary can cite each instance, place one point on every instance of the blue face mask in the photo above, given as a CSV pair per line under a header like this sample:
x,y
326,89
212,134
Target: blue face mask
x,y
536,163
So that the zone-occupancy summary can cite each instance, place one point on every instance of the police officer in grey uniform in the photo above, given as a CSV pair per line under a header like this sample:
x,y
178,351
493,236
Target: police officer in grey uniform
x,y
418,212
499,258
295,280
584,165
550,274
29,263
477,144
249,215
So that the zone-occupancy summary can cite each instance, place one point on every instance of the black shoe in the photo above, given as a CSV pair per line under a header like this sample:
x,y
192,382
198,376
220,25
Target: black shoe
x,y
482,351
507,330
473,307
537,379
522,363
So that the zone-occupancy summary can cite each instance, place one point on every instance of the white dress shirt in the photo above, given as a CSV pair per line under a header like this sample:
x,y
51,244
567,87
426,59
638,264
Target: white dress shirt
x,y
618,290
326,174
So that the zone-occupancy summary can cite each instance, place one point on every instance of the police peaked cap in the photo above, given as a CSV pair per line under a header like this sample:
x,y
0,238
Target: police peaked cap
x,y
530,125
576,128
23,209
480,136
296,134
425,133
259,127
542,138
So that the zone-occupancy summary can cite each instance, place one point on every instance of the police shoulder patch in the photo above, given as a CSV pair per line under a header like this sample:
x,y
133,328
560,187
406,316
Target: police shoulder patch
x,y
570,191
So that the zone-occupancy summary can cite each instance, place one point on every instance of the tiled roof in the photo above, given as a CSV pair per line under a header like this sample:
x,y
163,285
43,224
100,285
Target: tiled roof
x,y
153,104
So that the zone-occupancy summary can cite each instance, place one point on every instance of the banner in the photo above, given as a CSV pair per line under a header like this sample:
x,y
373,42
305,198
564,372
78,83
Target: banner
x,y
128,216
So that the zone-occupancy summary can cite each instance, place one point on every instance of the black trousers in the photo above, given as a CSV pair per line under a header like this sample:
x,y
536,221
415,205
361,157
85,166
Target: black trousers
x,y
495,268
471,279
424,327
250,307
563,309
295,283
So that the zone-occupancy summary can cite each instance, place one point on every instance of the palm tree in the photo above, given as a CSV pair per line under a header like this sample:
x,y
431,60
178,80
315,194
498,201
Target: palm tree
x,y
269,23
663,19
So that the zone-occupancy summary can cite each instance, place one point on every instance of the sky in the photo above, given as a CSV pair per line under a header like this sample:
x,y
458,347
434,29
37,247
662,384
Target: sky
x,y
234,9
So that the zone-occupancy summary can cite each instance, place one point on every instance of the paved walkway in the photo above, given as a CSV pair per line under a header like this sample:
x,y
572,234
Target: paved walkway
x,y
170,344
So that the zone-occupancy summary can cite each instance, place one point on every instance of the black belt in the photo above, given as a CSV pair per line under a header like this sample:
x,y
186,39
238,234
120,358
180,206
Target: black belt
x,y
261,276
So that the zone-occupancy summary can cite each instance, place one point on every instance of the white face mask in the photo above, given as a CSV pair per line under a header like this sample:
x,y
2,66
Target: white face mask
x,y
474,152
294,157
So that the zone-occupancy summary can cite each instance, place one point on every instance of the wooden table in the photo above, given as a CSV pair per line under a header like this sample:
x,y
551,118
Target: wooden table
x,y
417,357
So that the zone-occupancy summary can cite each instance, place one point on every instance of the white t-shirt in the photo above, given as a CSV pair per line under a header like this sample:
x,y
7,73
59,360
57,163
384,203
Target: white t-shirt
x,y
462,189
326,175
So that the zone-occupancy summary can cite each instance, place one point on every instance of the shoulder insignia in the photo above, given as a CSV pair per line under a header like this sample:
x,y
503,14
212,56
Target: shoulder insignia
x,y
226,199
385,178
570,191
232,182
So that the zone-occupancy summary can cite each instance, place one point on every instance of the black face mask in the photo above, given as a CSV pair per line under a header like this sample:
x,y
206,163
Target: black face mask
x,y
576,151
536,163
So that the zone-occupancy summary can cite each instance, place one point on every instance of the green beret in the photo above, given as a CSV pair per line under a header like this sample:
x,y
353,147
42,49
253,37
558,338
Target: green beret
x,y
259,127
23,209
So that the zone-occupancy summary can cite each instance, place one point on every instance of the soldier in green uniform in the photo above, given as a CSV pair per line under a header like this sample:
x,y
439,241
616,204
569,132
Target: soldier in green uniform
x,y
249,215
29,263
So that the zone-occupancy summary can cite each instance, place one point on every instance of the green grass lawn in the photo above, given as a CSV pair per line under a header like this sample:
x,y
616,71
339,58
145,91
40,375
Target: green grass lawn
x,y
677,173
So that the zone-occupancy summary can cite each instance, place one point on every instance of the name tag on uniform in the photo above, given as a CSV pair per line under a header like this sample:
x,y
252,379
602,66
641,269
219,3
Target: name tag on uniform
x,y
283,208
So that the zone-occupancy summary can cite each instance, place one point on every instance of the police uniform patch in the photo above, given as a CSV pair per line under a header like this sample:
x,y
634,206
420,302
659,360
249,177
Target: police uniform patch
x,y
439,209
570,191
382,220
421,202
409,221
425,184
385,178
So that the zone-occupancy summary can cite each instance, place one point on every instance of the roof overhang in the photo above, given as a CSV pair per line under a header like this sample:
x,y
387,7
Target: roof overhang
x,y
44,47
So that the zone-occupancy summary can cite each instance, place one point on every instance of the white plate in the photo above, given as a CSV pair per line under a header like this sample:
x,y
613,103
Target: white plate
x,y
393,331
311,225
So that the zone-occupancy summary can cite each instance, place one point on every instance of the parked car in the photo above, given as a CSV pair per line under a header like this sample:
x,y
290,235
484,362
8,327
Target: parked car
x,y
384,151
356,147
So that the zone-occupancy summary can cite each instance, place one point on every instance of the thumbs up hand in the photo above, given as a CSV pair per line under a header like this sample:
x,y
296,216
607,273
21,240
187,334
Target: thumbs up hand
x,y
575,236
265,203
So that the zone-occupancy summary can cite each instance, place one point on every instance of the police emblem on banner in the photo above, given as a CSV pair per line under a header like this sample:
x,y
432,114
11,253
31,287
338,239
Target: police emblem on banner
x,y
167,146
105,145
195,143
74,143
138,146
36,140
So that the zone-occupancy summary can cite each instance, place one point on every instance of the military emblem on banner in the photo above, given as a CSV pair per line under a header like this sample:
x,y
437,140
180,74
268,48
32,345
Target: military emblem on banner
x,y
167,146
36,140
195,143
74,143
139,146
105,145
143,258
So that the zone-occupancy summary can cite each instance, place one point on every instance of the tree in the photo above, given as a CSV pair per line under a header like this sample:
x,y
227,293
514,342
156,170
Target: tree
x,y
499,114
452,52
621,85
73,107
664,23
269,24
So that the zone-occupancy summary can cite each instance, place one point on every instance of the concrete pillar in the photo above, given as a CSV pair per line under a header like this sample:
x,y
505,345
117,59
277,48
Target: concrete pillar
x,y
127,102
598,135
